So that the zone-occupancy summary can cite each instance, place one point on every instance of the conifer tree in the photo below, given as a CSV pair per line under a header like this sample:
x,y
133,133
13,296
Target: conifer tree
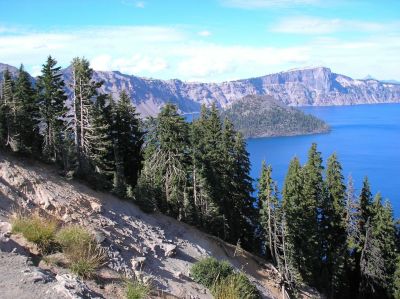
x,y
378,257
396,279
100,144
206,211
51,102
11,110
333,227
84,95
294,208
7,91
313,197
353,239
166,168
245,215
21,107
214,155
127,142
268,203
208,150
365,200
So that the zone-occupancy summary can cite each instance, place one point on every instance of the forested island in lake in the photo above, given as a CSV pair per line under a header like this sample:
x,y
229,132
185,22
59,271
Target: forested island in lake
x,y
263,116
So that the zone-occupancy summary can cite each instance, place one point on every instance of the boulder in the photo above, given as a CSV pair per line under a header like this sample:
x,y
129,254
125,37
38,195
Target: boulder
x,y
169,250
71,287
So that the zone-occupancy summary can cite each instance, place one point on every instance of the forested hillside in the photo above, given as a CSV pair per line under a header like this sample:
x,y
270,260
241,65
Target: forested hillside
x,y
316,231
261,116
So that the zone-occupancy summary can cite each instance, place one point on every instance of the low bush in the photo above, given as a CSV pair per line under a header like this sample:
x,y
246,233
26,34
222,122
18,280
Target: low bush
x,y
81,250
209,271
37,230
86,262
71,237
235,286
137,290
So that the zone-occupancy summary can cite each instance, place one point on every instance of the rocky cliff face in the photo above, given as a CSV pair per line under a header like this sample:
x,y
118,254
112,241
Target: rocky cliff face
x,y
302,87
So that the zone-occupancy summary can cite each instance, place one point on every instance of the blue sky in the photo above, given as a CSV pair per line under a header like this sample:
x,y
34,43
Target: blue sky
x,y
205,40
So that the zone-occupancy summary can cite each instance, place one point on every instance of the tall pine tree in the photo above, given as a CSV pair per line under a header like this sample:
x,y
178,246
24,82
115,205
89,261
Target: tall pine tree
x,y
333,228
51,103
127,143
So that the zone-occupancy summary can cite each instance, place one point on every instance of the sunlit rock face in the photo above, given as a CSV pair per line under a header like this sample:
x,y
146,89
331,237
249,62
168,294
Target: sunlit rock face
x,y
317,86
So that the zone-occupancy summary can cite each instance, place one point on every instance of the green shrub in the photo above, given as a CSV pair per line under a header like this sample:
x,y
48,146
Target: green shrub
x,y
37,230
73,236
235,286
81,250
86,262
209,271
137,290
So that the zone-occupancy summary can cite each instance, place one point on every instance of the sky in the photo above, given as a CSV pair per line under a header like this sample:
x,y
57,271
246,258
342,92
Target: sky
x,y
205,40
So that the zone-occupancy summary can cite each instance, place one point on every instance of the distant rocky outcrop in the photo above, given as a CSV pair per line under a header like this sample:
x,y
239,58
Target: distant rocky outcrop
x,y
303,87
317,86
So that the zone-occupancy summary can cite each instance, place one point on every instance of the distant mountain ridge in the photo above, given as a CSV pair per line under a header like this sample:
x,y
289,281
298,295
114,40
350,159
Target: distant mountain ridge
x,y
317,86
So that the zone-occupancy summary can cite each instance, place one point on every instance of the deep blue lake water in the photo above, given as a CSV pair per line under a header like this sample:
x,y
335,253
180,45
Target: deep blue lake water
x,y
366,139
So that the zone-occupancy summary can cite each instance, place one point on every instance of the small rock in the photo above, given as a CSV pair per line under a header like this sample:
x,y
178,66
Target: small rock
x,y
99,236
138,262
170,250
178,275
145,250
72,287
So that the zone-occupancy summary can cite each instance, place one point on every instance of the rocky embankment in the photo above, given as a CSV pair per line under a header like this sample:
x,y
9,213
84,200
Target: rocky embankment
x,y
152,247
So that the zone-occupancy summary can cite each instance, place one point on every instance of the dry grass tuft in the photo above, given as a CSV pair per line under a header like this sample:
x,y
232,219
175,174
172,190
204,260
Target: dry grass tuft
x,y
37,230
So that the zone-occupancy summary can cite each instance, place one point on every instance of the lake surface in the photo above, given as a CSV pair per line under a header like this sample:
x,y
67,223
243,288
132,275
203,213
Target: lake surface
x,y
366,139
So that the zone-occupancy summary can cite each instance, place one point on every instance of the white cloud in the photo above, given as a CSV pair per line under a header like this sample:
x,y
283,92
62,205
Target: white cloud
x,y
202,61
254,4
140,4
175,52
204,33
134,3
313,25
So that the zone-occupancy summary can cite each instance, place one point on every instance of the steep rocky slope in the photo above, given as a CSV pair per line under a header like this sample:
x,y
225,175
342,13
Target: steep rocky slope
x,y
167,247
302,87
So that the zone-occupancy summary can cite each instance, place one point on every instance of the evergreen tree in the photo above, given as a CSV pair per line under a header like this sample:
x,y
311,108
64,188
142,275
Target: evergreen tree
x,y
211,172
21,118
295,208
245,216
128,141
7,95
378,257
313,198
166,168
213,157
10,112
268,202
51,102
365,200
353,239
396,279
333,227
84,95
100,149
206,211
